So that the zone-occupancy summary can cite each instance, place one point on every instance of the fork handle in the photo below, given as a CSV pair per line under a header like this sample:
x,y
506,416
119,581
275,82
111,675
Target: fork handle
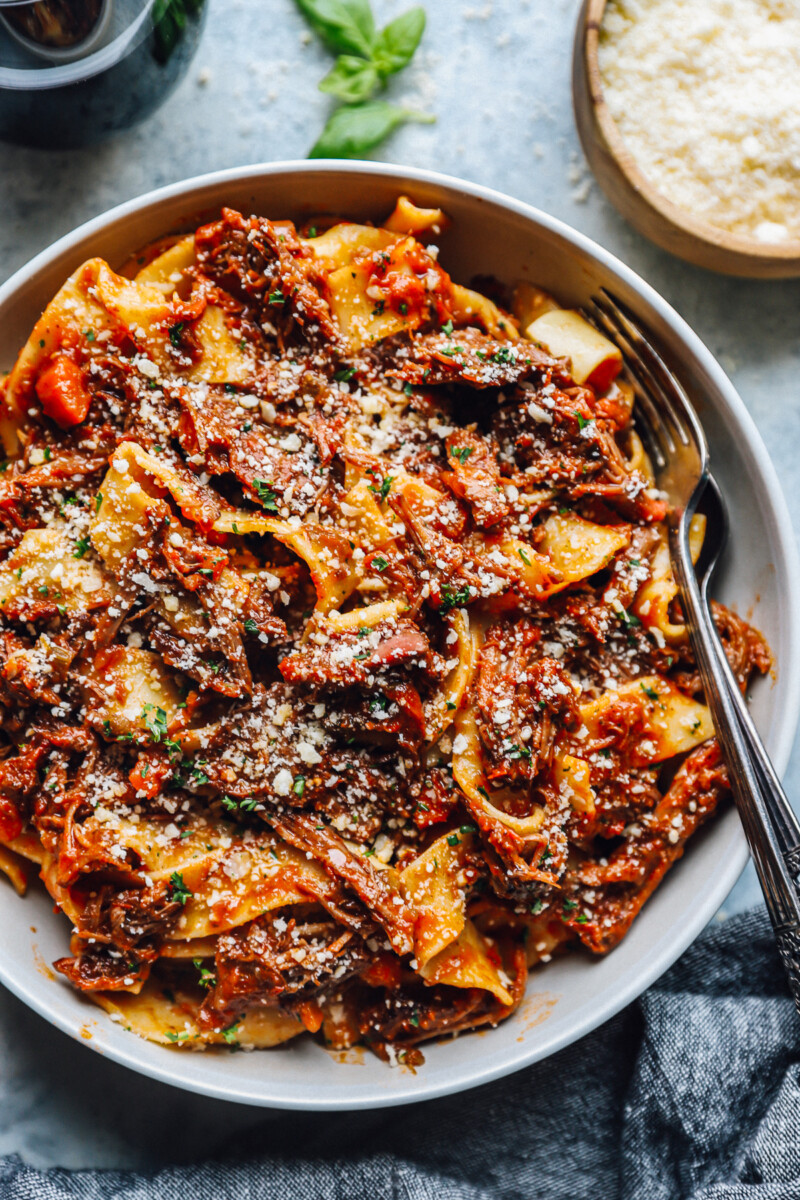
x,y
780,809
770,827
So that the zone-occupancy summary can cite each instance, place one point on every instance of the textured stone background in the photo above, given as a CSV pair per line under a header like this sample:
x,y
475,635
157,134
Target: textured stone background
x,y
497,76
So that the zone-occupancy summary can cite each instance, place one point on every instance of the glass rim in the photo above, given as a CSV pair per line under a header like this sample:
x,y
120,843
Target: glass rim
x,y
50,74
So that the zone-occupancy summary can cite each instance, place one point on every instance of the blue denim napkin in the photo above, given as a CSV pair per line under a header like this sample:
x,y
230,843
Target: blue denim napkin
x,y
690,1093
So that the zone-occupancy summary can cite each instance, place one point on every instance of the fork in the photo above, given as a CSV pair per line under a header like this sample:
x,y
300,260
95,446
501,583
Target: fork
x,y
680,457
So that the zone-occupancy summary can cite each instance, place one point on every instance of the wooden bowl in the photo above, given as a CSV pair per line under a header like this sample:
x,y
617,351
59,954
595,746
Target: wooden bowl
x,y
620,177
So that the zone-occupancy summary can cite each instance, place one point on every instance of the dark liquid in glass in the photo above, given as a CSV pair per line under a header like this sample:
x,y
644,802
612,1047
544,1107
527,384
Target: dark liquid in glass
x,y
74,71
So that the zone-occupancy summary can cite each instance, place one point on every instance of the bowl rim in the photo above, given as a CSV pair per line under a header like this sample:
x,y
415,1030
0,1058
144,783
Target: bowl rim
x,y
46,1003
784,253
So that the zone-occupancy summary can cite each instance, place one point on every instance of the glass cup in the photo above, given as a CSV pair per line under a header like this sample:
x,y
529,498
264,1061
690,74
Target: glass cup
x,y
74,71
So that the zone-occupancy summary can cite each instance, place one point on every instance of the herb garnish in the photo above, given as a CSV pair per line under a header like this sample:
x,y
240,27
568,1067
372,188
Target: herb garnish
x,y
453,599
366,58
207,978
383,491
268,498
178,889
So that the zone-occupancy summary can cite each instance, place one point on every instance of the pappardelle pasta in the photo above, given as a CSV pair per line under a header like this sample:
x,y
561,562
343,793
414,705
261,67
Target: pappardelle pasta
x,y
342,672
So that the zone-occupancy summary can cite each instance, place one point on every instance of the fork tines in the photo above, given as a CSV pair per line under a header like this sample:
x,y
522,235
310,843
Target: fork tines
x,y
669,416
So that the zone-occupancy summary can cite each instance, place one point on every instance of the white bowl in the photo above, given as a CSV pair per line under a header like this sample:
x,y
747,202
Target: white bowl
x,y
490,234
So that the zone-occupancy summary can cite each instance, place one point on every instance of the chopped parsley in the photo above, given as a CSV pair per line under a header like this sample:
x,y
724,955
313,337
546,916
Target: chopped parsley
x,y
81,546
207,978
462,454
345,374
268,498
383,491
453,599
175,334
155,721
233,805
177,888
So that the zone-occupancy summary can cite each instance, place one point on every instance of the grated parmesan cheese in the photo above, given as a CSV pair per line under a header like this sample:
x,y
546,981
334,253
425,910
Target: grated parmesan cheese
x,y
706,94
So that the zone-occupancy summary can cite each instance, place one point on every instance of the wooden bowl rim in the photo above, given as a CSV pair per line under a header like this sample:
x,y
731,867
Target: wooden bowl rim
x,y
589,34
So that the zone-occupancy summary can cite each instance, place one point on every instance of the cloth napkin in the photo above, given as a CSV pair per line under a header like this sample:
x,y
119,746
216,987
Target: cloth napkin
x,y
691,1093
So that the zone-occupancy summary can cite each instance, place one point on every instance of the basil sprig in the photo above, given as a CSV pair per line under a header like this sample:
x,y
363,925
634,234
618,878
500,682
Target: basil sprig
x,y
366,58
350,131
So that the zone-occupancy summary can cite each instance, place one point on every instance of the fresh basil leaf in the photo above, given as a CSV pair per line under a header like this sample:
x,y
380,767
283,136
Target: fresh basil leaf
x,y
351,79
346,26
352,130
398,41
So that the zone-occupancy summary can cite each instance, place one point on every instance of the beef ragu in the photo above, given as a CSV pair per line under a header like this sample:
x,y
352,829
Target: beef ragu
x,y
342,673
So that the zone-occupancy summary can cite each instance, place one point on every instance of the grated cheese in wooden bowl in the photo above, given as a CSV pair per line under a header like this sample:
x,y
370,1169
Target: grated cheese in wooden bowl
x,y
706,94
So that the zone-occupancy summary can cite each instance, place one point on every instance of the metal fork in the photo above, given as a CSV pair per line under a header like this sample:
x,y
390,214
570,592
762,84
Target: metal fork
x,y
679,453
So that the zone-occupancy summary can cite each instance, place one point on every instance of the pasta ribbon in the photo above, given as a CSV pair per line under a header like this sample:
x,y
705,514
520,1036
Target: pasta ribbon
x,y
468,774
595,360
572,776
577,548
130,683
469,307
326,553
670,722
337,246
465,963
433,884
441,709
168,1016
14,868
43,571
407,217
74,307
655,596
167,271
231,880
